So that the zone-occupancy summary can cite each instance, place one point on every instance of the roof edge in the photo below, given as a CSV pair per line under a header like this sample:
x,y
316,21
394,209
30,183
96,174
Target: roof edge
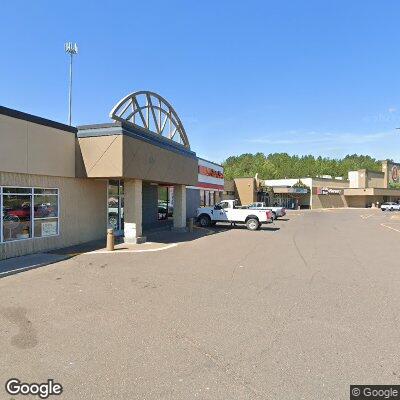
x,y
9,112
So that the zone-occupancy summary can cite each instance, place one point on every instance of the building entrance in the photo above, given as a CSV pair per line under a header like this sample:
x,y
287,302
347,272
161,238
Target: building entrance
x,y
115,203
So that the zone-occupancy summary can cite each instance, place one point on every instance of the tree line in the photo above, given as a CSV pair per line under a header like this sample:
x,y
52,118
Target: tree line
x,y
283,165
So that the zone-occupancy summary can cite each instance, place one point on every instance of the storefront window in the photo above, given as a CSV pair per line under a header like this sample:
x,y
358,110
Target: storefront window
x,y
45,208
207,198
162,203
28,212
116,205
212,198
202,204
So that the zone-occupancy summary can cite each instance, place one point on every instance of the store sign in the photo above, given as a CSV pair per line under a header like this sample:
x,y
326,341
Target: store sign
x,y
394,173
210,172
326,190
298,190
49,228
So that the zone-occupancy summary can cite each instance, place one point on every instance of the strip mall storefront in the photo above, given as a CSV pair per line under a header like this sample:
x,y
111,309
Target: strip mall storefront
x,y
61,185
209,188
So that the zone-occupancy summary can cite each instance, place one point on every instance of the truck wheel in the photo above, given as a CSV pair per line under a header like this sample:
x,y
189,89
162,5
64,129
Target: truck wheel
x,y
252,224
204,221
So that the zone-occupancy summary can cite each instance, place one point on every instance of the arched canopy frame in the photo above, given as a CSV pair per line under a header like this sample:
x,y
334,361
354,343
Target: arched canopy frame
x,y
152,112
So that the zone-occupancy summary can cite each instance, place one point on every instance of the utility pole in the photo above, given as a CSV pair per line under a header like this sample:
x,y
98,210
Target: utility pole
x,y
71,49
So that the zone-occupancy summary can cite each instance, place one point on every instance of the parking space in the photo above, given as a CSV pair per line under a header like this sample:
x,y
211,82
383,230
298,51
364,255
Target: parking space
x,y
296,310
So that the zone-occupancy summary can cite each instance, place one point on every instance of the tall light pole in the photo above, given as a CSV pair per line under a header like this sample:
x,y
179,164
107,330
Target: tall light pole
x,y
71,49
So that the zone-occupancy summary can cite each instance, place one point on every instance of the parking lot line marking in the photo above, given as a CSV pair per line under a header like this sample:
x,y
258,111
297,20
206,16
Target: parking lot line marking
x,y
367,216
133,251
389,227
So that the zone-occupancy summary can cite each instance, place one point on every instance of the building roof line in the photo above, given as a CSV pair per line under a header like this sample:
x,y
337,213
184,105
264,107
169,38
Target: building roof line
x,y
9,112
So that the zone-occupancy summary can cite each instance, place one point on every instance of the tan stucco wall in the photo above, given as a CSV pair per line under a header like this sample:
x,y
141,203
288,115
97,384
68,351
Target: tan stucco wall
x,y
330,183
124,156
143,160
246,190
375,179
83,208
386,171
30,148
328,201
101,155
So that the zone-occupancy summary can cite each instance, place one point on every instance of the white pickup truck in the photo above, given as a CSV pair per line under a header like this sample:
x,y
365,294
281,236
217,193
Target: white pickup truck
x,y
276,211
390,206
227,211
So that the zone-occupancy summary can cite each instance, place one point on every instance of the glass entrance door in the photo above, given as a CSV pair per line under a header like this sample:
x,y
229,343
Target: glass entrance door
x,y
115,202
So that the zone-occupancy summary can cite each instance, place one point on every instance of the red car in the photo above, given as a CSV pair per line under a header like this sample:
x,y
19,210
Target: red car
x,y
24,212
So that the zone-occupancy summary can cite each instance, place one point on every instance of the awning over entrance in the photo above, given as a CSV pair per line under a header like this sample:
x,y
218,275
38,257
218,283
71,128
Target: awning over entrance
x,y
147,141
145,146
127,151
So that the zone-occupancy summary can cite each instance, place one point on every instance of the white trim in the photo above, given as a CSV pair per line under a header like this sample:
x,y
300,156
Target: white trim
x,y
209,164
204,188
117,251
210,179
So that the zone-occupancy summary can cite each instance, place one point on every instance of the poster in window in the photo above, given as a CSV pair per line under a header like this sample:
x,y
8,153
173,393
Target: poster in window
x,y
49,228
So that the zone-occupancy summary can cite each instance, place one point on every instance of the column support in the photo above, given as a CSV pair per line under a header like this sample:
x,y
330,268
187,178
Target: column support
x,y
133,211
180,208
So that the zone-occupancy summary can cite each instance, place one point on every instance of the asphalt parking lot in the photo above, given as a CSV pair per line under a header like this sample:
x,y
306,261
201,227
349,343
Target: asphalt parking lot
x,y
296,311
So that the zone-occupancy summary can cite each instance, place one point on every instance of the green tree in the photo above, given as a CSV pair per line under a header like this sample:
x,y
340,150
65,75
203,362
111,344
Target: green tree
x,y
283,165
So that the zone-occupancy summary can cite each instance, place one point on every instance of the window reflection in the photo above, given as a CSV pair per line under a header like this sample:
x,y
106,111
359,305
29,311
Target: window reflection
x,y
116,205
16,217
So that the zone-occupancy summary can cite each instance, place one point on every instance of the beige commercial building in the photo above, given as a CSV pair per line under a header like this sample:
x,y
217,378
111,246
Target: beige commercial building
x,y
363,188
60,185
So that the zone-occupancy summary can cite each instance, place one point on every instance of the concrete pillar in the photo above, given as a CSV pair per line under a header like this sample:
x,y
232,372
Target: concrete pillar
x,y
179,207
133,211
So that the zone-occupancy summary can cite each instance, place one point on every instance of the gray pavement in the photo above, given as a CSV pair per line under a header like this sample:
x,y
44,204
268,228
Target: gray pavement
x,y
21,264
299,312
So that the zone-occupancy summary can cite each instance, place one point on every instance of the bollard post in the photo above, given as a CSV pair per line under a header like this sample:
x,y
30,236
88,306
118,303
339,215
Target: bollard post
x,y
190,224
110,239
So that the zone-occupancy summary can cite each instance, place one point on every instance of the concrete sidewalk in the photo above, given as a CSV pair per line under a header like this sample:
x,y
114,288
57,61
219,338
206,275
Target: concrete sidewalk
x,y
24,263
158,240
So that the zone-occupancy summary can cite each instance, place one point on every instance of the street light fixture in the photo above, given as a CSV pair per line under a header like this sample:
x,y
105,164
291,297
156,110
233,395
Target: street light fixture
x,y
71,49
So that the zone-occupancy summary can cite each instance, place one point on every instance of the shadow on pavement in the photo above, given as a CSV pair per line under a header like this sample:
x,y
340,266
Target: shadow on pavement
x,y
170,236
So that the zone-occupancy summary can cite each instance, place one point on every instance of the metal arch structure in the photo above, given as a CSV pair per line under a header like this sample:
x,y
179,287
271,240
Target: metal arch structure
x,y
151,111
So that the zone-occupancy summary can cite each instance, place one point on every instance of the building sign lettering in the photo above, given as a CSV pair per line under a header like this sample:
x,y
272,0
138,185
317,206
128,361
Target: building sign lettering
x,y
326,191
210,172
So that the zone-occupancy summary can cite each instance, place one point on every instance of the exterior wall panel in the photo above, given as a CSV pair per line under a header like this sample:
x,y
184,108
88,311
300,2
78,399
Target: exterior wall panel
x,y
102,156
143,160
82,213
246,190
30,148
192,202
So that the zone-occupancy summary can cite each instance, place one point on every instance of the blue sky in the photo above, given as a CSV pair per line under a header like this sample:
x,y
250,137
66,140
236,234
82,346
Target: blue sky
x,y
319,77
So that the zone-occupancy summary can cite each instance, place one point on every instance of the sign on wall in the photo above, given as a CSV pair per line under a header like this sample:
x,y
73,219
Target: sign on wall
x,y
326,191
298,190
210,172
394,173
49,228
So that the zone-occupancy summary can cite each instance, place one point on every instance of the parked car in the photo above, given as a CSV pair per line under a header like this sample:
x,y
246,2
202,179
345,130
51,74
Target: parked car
x,y
390,206
228,211
24,212
276,211
162,212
